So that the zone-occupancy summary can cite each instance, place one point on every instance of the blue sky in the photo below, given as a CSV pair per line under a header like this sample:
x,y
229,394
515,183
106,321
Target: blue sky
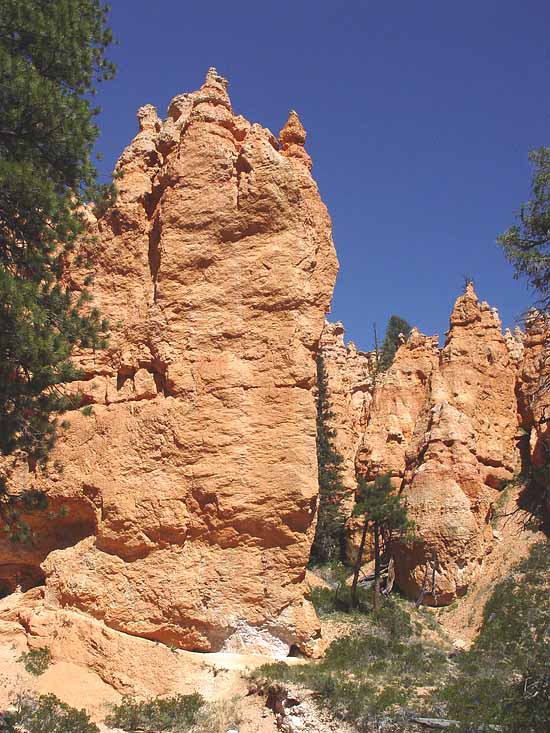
x,y
419,115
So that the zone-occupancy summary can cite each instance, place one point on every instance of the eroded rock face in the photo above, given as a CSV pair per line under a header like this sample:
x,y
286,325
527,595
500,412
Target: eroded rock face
x,y
534,407
349,375
444,423
215,270
349,381
399,400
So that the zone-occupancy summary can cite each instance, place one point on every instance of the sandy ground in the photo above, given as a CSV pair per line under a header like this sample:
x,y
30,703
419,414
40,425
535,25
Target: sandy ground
x,y
84,688
154,669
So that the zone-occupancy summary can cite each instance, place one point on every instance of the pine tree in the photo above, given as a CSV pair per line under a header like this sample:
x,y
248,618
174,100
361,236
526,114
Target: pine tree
x,y
385,515
327,544
396,327
527,244
51,56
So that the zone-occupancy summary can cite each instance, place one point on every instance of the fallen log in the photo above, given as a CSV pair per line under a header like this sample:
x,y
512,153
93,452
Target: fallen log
x,y
442,723
439,723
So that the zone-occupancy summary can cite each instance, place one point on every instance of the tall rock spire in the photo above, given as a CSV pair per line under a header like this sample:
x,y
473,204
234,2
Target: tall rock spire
x,y
194,484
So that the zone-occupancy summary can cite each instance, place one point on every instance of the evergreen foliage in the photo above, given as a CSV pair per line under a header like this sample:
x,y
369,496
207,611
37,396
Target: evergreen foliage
x,y
51,56
327,544
504,679
36,661
175,714
396,326
45,714
370,677
397,664
527,244
384,515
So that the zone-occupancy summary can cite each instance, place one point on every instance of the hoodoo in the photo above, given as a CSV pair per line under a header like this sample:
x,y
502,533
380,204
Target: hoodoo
x,y
451,425
191,489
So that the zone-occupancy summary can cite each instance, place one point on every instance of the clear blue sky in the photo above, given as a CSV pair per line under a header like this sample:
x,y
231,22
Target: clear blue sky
x,y
419,118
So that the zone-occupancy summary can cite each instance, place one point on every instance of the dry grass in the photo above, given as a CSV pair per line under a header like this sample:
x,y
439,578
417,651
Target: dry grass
x,y
219,717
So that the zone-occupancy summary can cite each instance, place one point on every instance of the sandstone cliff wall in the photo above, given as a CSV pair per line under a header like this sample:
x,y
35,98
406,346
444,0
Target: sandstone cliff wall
x,y
445,422
349,381
191,490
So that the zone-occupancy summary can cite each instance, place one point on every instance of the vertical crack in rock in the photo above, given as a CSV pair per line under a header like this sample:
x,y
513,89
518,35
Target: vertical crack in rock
x,y
154,254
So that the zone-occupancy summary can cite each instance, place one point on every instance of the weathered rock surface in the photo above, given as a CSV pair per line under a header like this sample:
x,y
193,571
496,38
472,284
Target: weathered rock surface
x,y
349,375
192,488
464,450
92,665
534,409
444,423
349,381
397,404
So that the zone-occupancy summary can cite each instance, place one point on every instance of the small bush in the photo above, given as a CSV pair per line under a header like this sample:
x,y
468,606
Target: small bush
x,y
328,601
505,678
369,677
394,620
337,598
175,714
36,661
385,670
46,714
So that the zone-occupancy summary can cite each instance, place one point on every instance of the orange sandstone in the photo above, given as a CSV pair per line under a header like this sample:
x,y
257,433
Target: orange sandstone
x,y
192,488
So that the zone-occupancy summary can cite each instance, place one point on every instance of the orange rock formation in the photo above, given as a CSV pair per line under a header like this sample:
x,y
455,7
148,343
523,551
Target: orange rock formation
x,y
444,422
191,490
182,510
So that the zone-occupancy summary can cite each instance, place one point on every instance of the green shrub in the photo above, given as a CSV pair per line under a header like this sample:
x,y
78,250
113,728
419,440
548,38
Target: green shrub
x,y
46,714
337,597
394,620
176,714
218,717
504,679
384,671
369,677
329,601
36,661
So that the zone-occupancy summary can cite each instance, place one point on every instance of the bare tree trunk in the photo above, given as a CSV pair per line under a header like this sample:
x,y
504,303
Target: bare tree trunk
x,y
358,562
422,593
390,580
376,597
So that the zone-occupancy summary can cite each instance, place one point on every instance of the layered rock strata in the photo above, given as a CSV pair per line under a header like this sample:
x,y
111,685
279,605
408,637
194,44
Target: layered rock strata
x,y
193,485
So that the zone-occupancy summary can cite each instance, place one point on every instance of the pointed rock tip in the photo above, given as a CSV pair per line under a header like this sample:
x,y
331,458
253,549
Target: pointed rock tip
x,y
293,131
468,296
212,77
467,307
147,117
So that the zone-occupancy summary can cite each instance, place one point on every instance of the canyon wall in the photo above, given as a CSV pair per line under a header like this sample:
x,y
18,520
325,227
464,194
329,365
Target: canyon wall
x,y
186,501
446,424
182,499
349,380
